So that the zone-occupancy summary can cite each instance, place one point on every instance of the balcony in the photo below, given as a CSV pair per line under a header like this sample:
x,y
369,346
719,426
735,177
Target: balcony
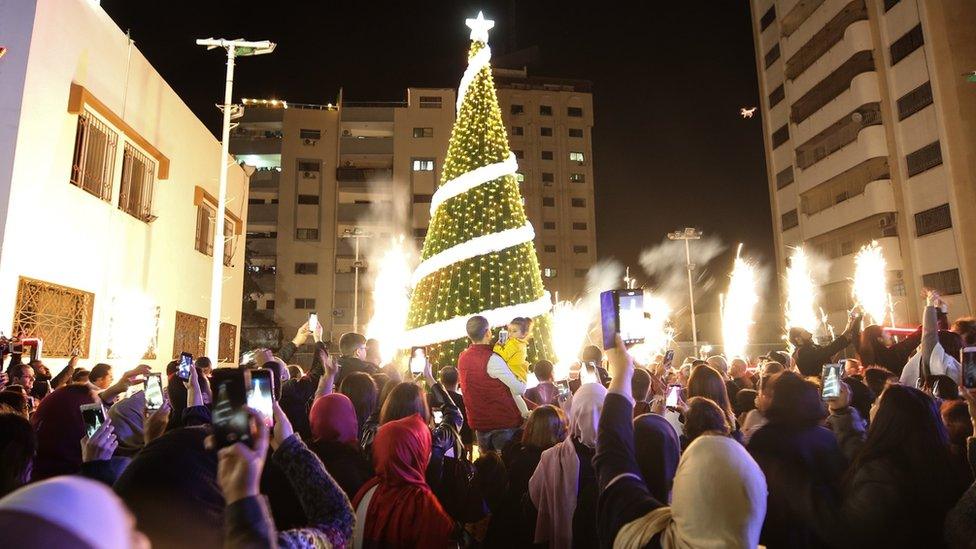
x,y
352,213
839,28
878,197
366,145
265,179
370,112
842,268
262,214
255,143
864,89
838,135
827,89
797,15
352,178
870,143
262,248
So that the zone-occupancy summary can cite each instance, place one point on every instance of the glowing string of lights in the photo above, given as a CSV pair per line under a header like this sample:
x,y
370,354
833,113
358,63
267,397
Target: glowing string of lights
x,y
454,328
469,180
479,61
481,245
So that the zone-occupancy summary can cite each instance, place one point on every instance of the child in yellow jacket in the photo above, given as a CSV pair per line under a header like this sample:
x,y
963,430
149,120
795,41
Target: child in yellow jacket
x,y
515,350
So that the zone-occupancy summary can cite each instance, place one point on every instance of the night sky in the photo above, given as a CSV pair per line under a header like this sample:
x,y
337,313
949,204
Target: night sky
x,y
668,80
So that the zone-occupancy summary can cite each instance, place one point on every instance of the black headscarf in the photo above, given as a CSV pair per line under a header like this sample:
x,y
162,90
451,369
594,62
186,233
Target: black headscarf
x,y
658,451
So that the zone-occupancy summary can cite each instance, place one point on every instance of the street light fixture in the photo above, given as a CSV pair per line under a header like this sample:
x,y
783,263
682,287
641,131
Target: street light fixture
x,y
235,48
356,233
687,235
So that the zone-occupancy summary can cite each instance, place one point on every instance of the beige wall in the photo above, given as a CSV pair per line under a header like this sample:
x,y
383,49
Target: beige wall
x,y
59,233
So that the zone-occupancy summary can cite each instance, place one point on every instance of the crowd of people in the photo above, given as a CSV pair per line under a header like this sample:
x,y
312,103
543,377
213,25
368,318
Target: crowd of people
x,y
494,451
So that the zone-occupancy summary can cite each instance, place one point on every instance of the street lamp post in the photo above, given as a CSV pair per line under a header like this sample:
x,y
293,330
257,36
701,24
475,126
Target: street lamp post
x,y
355,234
235,48
687,235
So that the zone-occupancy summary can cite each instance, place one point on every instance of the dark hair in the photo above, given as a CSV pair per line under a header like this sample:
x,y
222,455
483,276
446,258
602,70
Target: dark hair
x,y
745,401
203,362
772,367
955,410
875,377
868,347
543,370
524,323
80,375
15,400
942,386
18,446
350,342
172,367
861,396
640,384
477,327
966,328
907,433
795,401
405,400
951,342
782,357
491,479
362,391
17,370
705,381
545,427
99,371
295,371
704,415
448,376
591,353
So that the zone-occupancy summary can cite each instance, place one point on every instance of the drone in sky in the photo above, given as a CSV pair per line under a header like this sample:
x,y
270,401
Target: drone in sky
x,y
747,113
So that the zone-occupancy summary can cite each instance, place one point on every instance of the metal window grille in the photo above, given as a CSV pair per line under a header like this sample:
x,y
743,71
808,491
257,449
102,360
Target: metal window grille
x,y
58,315
138,175
190,334
93,164
932,220
227,343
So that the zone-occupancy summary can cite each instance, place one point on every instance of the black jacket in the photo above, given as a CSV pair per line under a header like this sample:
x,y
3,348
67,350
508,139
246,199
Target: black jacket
x,y
351,364
793,457
811,357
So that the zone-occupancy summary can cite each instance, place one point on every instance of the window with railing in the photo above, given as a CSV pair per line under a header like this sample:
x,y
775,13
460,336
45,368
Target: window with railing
x,y
909,42
577,156
545,110
776,96
849,238
838,135
575,112
932,220
549,248
516,109
780,136
306,234
547,155
430,102
579,226
230,240
790,219
189,335
845,185
313,135
577,178
578,202
924,159
545,131
576,132
93,164
772,55
304,303
549,178
206,215
914,101
784,178
946,282
825,39
138,174
58,315
579,249
767,18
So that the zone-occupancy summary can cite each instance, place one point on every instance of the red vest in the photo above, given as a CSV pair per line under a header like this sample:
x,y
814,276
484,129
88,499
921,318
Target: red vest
x,y
487,401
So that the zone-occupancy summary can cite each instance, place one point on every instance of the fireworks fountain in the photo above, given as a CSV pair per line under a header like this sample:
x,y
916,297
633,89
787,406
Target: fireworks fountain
x,y
739,307
133,325
801,293
570,325
870,283
658,332
391,298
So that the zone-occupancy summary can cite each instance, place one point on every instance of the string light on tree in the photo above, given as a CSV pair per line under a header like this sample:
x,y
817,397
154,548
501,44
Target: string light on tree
x,y
478,257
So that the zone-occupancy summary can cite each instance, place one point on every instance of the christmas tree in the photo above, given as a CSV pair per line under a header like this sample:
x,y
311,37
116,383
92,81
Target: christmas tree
x,y
478,257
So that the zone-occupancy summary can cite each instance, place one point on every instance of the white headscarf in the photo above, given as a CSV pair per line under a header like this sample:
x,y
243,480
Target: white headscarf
x,y
83,507
718,501
554,484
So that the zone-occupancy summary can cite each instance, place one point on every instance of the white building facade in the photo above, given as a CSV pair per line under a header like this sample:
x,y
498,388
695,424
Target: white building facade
x,y
107,196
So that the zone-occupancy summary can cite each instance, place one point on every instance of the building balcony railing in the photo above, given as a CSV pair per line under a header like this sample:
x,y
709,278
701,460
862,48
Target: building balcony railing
x,y
878,197
255,145
351,213
265,179
262,213
366,145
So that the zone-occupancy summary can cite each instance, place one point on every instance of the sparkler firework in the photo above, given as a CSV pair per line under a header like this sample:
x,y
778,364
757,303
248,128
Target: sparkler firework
x,y
739,307
801,293
391,299
870,283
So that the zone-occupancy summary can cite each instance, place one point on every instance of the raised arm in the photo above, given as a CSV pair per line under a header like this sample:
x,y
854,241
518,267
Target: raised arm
x,y
498,369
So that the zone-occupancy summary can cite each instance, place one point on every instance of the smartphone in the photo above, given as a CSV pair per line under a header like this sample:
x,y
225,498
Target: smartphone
x,y
438,417
830,380
622,312
93,416
313,322
668,360
231,422
503,336
153,387
671,400
563,387
186,362
418,360
260,393
968,365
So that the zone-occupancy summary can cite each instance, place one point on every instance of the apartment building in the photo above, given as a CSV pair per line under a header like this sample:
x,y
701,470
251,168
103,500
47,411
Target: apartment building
x,y
107,185
333,177
865,108
550,122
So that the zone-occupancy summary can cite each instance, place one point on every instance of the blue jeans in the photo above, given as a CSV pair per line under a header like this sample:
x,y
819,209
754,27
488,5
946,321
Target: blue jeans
x,y
495,440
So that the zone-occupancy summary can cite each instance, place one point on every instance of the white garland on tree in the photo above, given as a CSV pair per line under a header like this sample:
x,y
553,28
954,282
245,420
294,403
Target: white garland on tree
x,y
454,328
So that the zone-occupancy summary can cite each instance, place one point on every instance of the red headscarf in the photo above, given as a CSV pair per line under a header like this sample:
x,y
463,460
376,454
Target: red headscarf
x,y
333,418
59,429
403,512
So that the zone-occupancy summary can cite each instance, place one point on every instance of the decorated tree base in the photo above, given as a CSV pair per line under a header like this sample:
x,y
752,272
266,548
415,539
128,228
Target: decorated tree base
x,y
540,346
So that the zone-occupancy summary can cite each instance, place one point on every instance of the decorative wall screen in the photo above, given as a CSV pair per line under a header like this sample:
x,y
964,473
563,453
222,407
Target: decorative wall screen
x,y
190,335
58,315
228,343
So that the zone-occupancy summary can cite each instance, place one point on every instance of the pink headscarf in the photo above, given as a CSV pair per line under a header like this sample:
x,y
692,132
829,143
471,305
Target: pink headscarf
x,y
333,418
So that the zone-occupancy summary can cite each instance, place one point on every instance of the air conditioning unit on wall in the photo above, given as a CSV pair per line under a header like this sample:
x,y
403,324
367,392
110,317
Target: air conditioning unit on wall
x,y
310,142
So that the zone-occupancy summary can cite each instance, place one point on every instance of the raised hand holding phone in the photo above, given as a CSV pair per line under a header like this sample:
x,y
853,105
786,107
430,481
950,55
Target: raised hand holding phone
x,y
239,466
100,445
621,368
282,427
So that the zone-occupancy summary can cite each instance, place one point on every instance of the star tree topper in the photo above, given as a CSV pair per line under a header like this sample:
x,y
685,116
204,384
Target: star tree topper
x,y
480,27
